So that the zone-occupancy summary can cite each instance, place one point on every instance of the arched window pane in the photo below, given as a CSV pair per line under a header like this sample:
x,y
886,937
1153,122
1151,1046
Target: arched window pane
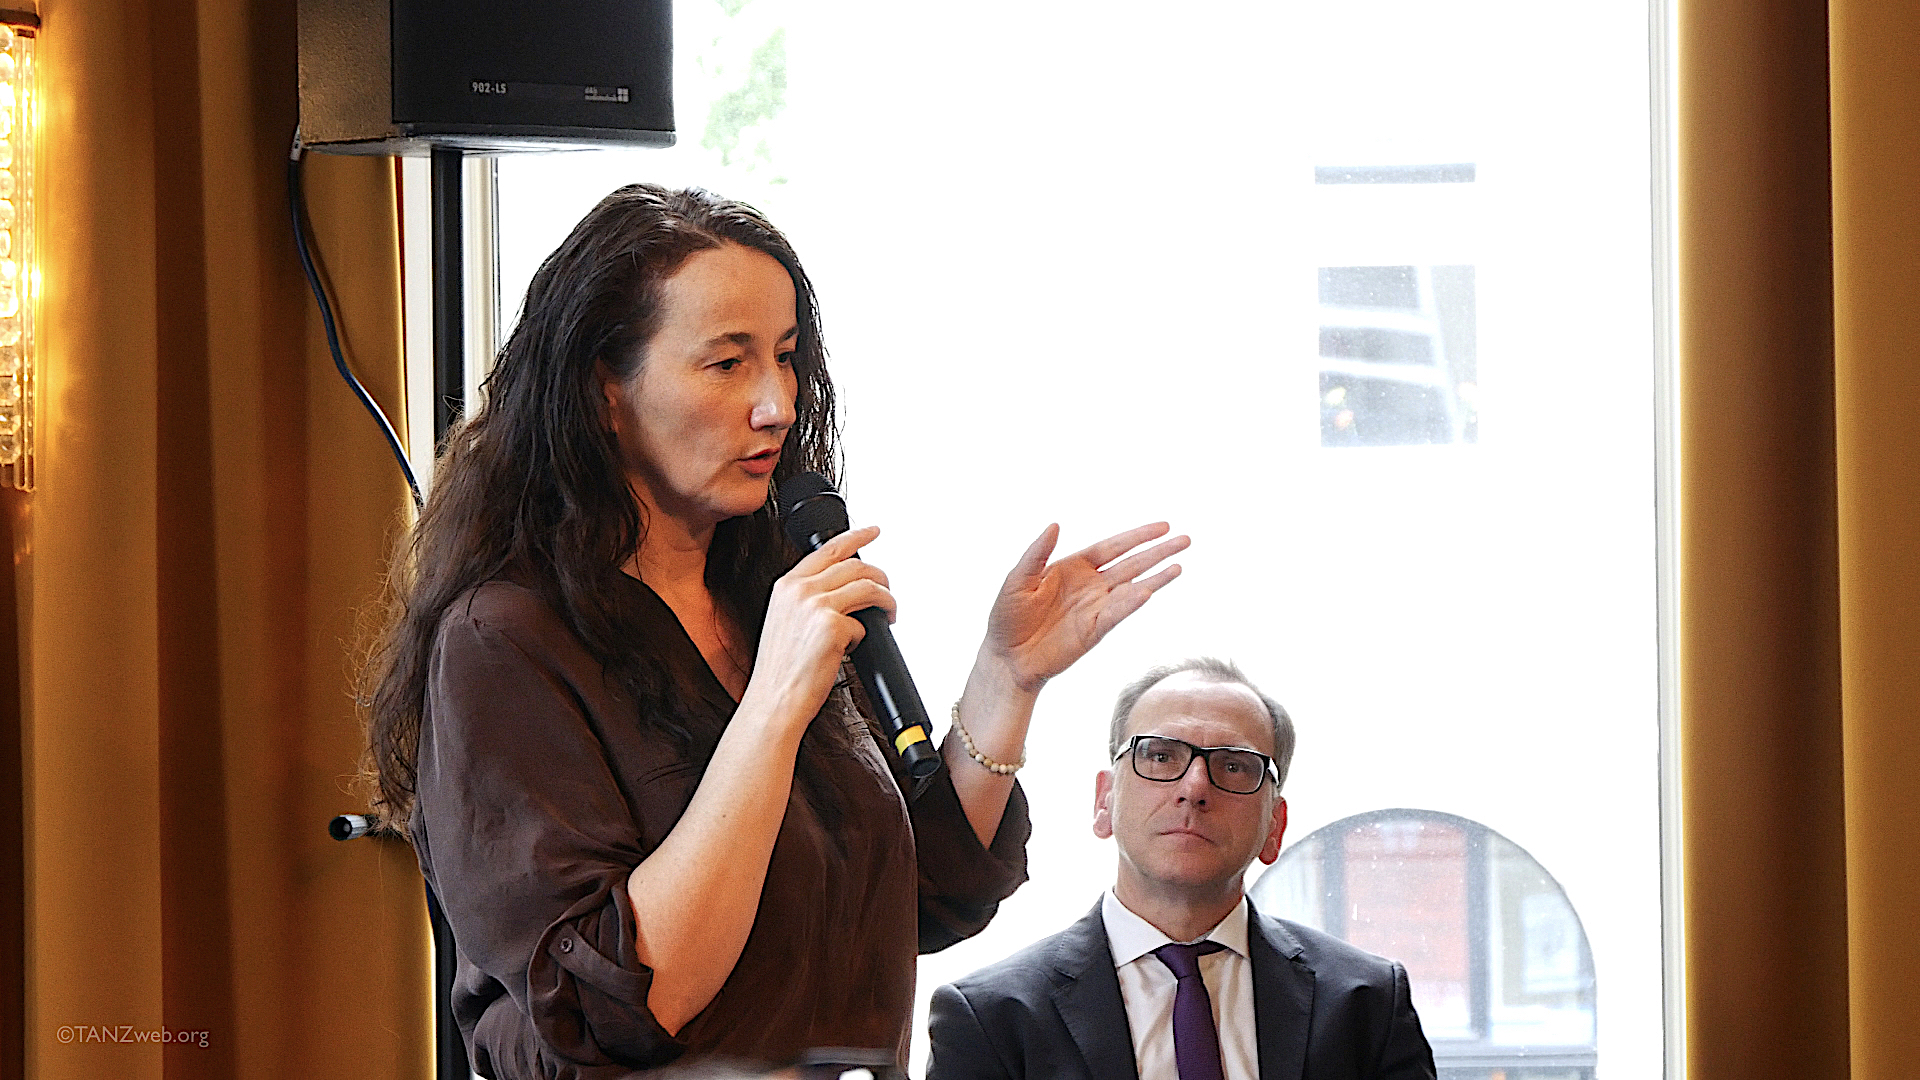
x,y
1501,970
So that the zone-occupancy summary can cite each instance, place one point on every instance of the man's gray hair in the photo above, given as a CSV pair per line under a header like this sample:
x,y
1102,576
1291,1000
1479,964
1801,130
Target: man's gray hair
x,y
1212,670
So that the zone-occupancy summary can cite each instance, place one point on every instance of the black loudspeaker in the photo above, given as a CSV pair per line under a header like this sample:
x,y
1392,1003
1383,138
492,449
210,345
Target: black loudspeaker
x,y
402,76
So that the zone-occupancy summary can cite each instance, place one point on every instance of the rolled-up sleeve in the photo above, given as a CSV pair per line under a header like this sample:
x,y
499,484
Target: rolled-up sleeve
x,y
961,881
528,838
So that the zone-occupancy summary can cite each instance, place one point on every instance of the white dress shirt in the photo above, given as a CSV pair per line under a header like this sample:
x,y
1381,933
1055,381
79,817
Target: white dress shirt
x,y
1147,987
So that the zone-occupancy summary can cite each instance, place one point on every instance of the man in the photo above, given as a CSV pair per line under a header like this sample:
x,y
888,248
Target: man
x,y
1192,798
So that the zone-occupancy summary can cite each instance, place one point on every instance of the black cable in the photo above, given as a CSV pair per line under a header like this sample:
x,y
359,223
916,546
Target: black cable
x,y
297,205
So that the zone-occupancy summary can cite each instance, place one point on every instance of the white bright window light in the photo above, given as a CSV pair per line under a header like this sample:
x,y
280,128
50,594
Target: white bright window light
x,y
19,270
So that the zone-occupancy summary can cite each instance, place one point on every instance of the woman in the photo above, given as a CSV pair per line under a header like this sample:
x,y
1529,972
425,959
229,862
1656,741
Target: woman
x,y
611,706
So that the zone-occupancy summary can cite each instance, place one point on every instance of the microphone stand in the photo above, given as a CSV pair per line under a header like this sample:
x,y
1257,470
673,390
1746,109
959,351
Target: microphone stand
x,y
449,402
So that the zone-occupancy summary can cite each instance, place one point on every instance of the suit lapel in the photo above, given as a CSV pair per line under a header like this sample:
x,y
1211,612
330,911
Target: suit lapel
x,y
1086,991
1282,998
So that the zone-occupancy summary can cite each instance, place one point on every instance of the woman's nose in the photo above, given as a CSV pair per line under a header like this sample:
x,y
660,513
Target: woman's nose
x,y
774,400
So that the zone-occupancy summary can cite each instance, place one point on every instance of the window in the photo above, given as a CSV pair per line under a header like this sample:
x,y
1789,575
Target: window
x,y
1501,970
1108,263
1396,356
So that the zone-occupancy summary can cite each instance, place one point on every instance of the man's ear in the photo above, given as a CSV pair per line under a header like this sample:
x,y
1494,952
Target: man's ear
x,y
1103,805
1278,828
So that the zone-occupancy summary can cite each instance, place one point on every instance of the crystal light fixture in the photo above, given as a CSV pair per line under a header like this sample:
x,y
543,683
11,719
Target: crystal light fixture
x,y
19,270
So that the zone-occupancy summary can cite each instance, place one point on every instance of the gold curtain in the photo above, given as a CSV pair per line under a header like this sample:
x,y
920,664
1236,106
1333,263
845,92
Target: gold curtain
x,y
1799,516
214,510
1876,189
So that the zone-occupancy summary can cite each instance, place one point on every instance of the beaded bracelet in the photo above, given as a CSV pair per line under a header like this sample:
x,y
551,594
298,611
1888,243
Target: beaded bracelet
x,y
986,762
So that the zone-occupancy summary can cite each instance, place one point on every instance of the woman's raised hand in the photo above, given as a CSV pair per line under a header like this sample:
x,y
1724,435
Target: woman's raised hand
x,y
1048,616
810,624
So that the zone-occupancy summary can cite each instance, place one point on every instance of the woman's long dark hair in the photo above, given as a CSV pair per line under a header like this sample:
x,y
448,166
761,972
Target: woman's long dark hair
x,y
531,486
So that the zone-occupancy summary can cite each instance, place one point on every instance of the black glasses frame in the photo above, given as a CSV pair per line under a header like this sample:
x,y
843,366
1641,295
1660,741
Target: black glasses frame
x,y
1268,772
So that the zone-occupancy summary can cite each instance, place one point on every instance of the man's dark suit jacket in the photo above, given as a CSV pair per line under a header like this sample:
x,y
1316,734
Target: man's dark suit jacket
x,y
1323,1010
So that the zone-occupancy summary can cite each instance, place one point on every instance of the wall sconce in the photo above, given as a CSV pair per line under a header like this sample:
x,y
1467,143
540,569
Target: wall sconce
x,y
19,268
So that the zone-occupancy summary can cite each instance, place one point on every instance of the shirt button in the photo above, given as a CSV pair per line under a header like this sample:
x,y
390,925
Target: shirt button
x,y
566,944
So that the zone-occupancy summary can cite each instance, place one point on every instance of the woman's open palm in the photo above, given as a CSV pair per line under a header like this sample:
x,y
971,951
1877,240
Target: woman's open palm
x,y
1049,615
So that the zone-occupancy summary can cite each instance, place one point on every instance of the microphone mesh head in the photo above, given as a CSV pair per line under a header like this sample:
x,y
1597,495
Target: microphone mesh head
x,y
800,487
811,508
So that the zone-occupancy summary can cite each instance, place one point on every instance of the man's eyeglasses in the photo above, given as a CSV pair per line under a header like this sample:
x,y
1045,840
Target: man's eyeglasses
x,y
1233,769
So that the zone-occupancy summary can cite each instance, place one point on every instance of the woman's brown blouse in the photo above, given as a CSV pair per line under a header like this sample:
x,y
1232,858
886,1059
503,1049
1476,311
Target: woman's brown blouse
x,y
539,791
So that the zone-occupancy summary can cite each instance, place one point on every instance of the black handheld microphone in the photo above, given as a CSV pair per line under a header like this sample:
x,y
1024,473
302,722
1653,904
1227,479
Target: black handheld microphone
x,y
814,514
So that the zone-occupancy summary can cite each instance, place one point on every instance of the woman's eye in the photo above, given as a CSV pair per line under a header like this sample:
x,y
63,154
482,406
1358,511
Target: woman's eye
x,y
785,358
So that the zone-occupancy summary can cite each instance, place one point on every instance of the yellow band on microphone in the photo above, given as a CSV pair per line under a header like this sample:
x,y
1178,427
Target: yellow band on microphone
x,y
907,738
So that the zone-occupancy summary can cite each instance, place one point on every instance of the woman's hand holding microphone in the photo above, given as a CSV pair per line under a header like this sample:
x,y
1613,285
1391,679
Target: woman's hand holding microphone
x,y
695,896
810,628
1046,617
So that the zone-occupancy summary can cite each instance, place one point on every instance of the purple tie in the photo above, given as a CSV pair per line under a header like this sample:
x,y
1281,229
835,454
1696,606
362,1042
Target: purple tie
x,y
1196,1044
